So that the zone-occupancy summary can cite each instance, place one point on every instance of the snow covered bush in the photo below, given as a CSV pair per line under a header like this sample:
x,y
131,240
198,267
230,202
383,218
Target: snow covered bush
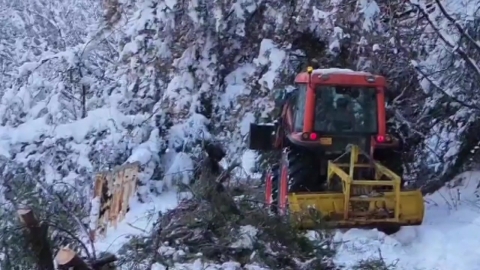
x,y
61,207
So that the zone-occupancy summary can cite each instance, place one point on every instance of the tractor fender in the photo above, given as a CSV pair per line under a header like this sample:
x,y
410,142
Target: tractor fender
x,y
283,186
268,189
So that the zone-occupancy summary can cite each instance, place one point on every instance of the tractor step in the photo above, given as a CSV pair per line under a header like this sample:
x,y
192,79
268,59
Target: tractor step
x,y
366,219
367,199
372,183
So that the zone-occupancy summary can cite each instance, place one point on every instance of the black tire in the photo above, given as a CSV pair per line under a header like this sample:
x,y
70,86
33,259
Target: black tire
x,y
391,159
390,229
303,171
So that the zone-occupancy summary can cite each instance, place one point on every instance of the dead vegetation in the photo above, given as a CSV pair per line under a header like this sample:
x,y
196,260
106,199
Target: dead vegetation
x,y
229,223
216,233
37,236
223,223
219,224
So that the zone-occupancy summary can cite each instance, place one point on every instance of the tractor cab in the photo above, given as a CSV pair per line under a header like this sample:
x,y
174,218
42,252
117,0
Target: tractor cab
x,y
339,109
329,109
336,107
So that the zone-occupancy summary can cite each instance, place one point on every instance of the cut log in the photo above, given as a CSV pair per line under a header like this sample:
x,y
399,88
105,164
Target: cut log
x,y
67,259
36,233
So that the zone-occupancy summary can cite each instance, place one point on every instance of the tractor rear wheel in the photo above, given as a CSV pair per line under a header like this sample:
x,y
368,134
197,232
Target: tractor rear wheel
x,y
304,172
391,159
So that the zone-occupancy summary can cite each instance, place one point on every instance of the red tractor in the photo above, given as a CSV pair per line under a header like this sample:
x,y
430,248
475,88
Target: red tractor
x,y
333,114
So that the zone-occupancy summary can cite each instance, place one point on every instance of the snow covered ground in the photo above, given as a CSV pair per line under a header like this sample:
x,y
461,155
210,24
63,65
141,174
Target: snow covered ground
x,y
448,238
141,217
138,221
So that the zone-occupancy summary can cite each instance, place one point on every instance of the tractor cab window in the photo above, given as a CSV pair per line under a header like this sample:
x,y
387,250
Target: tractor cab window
x,y
342,109
299,107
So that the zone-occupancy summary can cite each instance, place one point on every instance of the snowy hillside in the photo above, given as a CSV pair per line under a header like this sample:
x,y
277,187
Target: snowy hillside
x,y
88,85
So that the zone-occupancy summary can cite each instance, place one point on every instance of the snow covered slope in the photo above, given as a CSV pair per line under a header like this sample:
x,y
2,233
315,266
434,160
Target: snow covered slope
x,y
138,221
448,238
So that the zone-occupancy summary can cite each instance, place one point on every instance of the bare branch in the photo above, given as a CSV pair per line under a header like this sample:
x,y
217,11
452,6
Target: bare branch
x,y
457,25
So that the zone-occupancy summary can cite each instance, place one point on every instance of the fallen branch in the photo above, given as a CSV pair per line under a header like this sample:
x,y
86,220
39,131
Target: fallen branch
x,y
98,264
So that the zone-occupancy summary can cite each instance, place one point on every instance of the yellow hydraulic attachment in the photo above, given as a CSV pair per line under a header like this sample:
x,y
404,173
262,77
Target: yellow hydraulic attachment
x,y
351,203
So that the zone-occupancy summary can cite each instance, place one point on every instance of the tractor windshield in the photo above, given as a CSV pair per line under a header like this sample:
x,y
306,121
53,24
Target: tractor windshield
x,y
342,109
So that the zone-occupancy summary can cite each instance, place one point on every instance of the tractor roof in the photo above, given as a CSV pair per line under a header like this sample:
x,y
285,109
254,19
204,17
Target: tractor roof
x,y
340,76
344,71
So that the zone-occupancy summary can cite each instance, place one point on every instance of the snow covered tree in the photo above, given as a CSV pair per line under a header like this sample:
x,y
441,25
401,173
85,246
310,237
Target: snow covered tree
x,y
449,75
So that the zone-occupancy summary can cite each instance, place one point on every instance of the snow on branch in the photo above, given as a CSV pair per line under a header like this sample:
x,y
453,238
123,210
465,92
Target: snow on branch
x,y
456,47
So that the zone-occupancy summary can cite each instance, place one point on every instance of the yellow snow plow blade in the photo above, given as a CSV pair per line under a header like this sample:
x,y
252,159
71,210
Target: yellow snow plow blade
x,y
358,203
331,208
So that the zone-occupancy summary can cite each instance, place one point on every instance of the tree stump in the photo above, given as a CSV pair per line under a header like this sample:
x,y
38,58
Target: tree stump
x,y
36,234
67,259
